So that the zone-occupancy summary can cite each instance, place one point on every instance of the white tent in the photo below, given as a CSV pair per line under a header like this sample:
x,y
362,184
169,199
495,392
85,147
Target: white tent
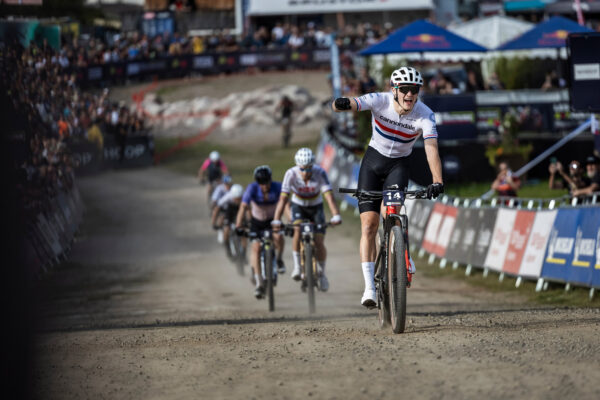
x,y
491,32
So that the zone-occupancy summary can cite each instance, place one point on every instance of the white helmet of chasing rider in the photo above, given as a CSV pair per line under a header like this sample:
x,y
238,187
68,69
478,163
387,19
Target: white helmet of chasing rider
x,y
406,76
304,157
236,190
214,156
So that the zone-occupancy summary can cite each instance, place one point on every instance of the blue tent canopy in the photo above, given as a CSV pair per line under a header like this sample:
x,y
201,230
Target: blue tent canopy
x,y
549,34
422,36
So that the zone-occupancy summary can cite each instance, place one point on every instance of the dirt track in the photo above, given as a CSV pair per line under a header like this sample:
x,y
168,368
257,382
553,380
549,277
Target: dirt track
x,y
150,308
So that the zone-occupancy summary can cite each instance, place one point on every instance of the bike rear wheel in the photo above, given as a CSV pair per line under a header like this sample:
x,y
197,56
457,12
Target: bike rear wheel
x,y
310,277
269,278
397,279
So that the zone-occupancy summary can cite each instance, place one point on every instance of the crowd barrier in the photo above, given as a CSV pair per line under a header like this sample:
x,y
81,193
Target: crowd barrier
x,y
546,240
89,158
51,229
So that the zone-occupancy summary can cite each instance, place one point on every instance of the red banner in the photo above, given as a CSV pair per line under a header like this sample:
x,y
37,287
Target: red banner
x,y
518,241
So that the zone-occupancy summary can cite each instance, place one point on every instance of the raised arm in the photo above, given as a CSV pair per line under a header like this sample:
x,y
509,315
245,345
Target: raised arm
x,y
344,104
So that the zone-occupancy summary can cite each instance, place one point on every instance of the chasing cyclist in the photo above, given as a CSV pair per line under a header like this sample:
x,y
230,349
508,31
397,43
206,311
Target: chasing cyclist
x,y
306,181
217,216
228,206
398,119
212,170
261,198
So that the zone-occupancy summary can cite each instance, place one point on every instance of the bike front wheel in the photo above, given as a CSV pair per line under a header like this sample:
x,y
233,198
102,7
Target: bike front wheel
x,y
310,277
397,279
269,278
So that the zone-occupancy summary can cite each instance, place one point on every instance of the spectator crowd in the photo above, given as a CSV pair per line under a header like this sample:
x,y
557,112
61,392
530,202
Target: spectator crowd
x,y
48,111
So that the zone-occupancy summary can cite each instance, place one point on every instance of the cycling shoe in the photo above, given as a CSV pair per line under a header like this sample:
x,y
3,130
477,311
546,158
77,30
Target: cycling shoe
x,y
369,299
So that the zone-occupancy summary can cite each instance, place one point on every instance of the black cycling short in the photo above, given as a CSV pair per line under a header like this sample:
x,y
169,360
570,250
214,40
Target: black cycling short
x,y
378,172
230,212
256,226
312,213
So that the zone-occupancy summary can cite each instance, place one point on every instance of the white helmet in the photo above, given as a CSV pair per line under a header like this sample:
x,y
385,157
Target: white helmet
x,y
406,76
304,157
236,190
214,156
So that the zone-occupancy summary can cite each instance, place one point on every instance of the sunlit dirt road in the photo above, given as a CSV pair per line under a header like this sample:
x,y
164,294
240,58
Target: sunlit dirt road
x,y
150,308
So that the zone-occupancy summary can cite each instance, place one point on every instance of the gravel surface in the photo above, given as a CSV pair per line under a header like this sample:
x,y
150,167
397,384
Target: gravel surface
x,y
150,308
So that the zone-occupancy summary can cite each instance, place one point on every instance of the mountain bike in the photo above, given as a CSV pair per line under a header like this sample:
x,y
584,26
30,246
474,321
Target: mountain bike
x,y
234,250
392,267
268,262
310,271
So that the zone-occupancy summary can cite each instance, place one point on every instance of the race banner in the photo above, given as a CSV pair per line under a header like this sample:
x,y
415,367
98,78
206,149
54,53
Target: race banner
x,y
483,236
500,239
561,242
533,258
585,258
518,240
417,220
463,235
445,233
433,227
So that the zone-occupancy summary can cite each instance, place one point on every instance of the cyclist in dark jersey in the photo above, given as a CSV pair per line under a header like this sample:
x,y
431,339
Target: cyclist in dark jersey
x,y
261,198
212,169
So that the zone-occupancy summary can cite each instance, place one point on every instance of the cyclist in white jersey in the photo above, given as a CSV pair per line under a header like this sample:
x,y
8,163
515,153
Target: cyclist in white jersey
x,y
306,181
398,120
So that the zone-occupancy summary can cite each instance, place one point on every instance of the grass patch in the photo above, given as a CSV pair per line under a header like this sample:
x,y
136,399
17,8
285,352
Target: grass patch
x,y
554,296
240,161
533,189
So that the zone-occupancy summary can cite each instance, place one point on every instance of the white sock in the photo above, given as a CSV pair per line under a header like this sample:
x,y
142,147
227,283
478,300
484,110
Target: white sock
x,y
257,278
297,259
321,266
368,269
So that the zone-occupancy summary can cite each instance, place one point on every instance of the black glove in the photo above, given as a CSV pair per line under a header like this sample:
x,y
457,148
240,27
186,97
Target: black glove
x,y
342,104
239,231
434,190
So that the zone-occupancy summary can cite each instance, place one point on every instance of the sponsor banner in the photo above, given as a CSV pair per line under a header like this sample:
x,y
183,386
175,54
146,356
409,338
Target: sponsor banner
x,y
533,258
561,242
417,220
445,233
463,235
483,237
518,239
433,227
585,259
500,239
296,7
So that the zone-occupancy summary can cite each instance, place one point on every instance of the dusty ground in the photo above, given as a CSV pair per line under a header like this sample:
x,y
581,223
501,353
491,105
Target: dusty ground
x,y
150,308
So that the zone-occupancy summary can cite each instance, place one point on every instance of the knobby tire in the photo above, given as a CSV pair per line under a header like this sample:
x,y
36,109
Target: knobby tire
x,y
397,279
269,277
310,278
382,294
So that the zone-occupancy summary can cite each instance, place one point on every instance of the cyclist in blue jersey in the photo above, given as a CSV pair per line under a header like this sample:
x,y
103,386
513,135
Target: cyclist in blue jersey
x,y
260,198
398,119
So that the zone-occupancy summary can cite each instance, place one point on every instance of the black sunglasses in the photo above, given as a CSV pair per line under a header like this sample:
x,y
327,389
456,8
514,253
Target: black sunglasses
x,y
406,89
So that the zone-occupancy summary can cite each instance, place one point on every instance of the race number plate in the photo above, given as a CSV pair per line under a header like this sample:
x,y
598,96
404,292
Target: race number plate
x,y
393,198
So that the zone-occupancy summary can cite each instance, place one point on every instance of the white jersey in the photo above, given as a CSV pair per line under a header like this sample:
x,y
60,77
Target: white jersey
x,y
219,192
394,135
226,199
306,193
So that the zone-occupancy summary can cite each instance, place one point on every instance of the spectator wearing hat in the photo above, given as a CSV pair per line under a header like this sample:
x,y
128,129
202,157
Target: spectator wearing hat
x,y
593,173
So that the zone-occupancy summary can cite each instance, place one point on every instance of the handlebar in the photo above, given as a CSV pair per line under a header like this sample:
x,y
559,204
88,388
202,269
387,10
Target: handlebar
x,y
378,194
288,229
